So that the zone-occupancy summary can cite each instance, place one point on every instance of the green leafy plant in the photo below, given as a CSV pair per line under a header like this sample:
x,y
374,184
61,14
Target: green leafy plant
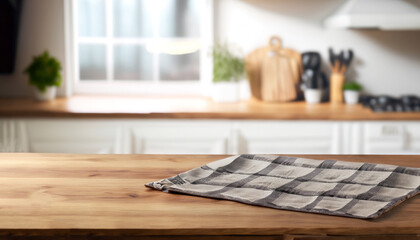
x,y
352,86
44,71
226,66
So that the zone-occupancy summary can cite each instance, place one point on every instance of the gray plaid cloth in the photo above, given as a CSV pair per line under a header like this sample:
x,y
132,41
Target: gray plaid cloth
x,y
351,189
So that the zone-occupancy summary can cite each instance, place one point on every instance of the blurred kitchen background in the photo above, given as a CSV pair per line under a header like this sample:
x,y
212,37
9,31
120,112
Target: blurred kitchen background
x,y
216,72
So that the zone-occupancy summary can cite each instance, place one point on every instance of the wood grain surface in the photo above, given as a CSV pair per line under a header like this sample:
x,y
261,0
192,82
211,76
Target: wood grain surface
x,y
50,194
188,108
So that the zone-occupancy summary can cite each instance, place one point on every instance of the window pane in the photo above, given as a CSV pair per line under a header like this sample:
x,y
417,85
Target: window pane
x,y
132,18
91,18
132,62
180,18
179,67
92,61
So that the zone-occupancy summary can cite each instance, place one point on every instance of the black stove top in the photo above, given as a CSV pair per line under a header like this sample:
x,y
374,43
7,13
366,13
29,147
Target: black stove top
x,y
384,103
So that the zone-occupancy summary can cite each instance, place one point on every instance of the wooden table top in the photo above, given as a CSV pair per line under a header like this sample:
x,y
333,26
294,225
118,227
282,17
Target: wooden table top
x,y
188,108
105,194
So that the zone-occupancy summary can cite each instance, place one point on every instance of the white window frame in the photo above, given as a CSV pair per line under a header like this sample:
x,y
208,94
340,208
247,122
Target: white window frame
x,y
73,84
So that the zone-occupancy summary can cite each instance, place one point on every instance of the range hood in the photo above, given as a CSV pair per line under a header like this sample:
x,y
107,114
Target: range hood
x,y
377,14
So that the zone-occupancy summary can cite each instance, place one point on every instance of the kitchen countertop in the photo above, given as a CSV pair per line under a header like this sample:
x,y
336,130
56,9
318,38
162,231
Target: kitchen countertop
x,y
70,194
188,108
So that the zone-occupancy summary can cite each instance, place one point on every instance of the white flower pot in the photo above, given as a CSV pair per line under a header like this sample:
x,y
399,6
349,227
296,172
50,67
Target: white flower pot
x,y
225,92
313,95
351,96
47,95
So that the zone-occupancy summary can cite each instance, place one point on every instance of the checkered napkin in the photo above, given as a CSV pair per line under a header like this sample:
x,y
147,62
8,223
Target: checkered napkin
x,y
359,190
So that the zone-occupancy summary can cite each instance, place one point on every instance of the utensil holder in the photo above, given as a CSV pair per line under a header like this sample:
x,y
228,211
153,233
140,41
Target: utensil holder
x,y
336,87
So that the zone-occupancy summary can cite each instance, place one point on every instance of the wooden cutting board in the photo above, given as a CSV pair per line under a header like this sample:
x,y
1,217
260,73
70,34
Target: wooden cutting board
x,y
277,83
254,63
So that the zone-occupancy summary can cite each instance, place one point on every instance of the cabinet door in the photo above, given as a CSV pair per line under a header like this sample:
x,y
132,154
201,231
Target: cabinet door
x,y
12,136
392,138
71,136
286,137
181,137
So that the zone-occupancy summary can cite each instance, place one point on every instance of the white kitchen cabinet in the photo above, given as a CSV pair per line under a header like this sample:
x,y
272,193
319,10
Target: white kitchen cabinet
x,y
12,136
181,137
288,137
71,136
171,136
391,137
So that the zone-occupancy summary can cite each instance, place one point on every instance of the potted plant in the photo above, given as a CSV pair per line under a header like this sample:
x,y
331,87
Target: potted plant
x,y
352,92
227,71
44,75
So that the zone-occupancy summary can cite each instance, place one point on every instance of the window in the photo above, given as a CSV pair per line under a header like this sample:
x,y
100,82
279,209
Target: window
x,y
141,46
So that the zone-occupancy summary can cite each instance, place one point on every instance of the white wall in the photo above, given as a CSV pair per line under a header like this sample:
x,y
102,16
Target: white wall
x,y
41,28
387,62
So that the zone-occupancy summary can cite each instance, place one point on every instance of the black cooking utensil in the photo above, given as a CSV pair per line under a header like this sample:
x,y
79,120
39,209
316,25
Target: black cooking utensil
x,y
331,56
347,57
335,60
340,59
